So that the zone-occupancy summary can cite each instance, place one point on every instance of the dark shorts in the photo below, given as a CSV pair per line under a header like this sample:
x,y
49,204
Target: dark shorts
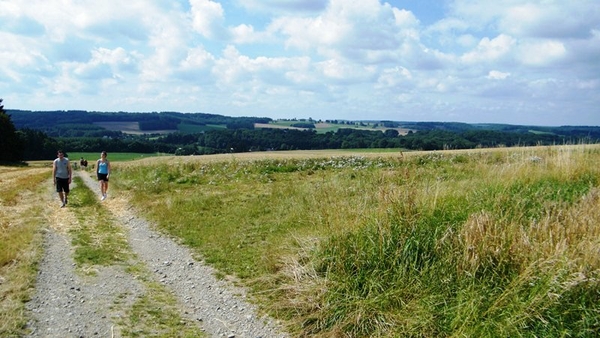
x,y
102,177
62,184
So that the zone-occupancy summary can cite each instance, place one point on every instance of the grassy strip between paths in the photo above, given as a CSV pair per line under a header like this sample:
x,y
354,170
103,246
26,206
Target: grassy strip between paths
x,y
98,240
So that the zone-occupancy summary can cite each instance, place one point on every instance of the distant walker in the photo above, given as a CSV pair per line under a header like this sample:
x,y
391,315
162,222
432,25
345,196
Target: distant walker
x,y
103,173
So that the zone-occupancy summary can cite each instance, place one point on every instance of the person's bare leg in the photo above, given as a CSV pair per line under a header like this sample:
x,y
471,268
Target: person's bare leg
x,y
103,189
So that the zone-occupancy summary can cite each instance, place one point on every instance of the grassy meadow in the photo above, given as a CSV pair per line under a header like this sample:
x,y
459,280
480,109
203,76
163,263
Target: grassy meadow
x,y
480,243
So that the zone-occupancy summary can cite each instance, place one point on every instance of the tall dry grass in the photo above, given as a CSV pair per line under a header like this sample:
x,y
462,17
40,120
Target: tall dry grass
x,y
20,240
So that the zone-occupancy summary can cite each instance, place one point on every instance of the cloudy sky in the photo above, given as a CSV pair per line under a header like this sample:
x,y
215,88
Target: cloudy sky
x,y
479,61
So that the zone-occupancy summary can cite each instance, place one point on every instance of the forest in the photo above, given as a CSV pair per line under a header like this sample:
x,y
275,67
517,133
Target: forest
x,y
40,133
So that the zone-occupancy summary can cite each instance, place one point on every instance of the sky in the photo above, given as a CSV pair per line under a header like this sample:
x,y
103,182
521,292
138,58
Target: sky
x,y
526,62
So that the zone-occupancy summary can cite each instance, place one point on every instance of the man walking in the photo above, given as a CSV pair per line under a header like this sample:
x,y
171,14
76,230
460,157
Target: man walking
x,y
61,172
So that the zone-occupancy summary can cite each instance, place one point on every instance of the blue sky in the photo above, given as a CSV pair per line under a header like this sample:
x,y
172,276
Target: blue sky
x,y
533,62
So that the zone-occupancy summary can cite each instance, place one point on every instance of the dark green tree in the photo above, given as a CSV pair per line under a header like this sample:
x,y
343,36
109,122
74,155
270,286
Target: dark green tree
x,y
10,145
37,145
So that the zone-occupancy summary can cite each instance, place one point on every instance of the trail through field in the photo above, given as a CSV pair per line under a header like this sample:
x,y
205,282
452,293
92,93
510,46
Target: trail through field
x,y
106,302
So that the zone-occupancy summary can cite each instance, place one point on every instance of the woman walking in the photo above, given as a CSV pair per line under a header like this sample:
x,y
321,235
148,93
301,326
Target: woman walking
x,y
103,172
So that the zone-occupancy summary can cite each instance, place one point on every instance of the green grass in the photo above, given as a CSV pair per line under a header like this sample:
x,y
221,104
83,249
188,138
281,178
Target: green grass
x,y
116,157
447,244
96,239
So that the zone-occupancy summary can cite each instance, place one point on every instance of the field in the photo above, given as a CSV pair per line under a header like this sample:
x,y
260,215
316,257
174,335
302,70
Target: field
x,y
323,127
134,128
117,157
478,243
129,128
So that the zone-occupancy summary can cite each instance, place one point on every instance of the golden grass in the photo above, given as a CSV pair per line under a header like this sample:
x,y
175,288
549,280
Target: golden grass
x,y
20,242
524,152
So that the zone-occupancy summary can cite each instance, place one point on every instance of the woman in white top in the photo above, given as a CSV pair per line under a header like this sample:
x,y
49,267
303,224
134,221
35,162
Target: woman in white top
x,y
103,172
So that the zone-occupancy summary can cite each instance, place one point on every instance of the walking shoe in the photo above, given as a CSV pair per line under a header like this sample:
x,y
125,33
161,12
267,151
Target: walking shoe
x,y
63,205
66,201
103,197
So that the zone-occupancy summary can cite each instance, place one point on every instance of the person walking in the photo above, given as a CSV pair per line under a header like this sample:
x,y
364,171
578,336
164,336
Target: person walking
x,y
103,172
62,173
83,163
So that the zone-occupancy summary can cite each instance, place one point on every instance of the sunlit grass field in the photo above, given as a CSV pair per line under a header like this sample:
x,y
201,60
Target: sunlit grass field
x,y
20,242
482,243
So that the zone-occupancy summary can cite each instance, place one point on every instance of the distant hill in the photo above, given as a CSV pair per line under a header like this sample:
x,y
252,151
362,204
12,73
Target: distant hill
x,y
78,123
199,133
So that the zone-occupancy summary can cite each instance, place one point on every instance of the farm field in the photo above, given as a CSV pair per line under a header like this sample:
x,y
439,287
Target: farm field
x,y
134,128
128,128
323,127
478,243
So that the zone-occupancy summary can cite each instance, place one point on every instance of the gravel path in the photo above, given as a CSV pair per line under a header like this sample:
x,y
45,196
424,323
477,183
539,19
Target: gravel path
x,y
67,304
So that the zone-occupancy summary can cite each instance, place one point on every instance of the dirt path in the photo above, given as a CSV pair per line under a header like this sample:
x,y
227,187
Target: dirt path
x,y
68,303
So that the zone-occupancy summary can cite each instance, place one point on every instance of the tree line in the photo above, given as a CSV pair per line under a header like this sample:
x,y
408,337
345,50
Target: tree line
x,y
239,135
37,145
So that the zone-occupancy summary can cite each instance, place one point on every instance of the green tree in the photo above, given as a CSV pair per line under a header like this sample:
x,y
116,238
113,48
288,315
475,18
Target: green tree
x,y
37,145
10,145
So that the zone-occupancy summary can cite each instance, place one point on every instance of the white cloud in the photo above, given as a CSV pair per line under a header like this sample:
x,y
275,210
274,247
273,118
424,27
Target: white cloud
x,y
394,77
359,30
342,72
106,63
284,6
246,34
559,20
497,75
208,18
17,52
197,58
490,50
541,53
237,70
